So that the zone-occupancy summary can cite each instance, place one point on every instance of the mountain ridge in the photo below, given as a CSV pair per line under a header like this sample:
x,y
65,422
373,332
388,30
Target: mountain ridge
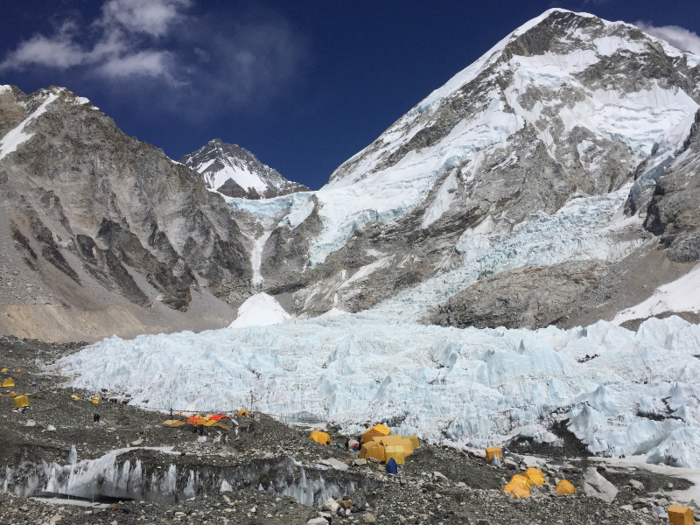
x,y
567,109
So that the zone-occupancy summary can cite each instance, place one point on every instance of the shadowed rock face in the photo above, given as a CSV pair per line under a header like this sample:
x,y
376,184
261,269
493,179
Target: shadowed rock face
x,y
674,211
88,207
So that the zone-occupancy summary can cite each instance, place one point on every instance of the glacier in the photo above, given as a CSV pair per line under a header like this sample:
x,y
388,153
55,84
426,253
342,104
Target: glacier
x,y
622,393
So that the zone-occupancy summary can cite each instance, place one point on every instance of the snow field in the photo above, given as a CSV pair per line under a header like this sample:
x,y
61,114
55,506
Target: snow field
x,y
624,393
579,231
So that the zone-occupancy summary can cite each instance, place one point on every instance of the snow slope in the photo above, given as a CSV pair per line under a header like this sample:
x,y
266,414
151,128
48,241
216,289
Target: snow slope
x,y
260,310
682,295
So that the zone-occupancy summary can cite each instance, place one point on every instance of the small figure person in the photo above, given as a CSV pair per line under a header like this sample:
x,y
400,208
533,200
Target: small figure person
x,y
201,430
194,428
96,418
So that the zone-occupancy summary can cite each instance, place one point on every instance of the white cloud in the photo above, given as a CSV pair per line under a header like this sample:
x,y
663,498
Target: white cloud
x,y
221,60
123,29
679,37
59,51
148,63
150,17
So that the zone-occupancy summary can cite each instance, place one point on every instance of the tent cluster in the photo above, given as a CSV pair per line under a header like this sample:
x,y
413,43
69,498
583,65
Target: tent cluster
x,y
520,484
19,400
210,420
378,443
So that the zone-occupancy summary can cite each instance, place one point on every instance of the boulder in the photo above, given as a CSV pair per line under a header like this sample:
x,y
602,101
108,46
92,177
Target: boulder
x,y
330,505
636,485
597,486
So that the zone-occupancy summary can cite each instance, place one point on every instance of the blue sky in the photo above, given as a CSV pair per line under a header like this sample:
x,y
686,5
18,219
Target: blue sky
x,y
303,84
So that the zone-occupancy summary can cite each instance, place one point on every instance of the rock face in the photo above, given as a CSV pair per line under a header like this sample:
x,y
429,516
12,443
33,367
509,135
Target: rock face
x,y
93,219
566,108
509,299
236,172
674,213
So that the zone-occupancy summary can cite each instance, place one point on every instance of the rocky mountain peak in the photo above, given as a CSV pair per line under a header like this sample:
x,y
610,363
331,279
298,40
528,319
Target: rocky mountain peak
x,y
235,172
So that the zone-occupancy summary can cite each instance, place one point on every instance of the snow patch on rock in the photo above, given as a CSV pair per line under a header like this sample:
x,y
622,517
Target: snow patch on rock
x,y
682,295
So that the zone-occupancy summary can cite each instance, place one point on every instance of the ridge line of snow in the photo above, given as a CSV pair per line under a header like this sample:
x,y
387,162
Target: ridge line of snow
x,y
17,136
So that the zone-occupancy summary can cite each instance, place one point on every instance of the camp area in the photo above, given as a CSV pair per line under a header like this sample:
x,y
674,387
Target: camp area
x,y
209,420
378,443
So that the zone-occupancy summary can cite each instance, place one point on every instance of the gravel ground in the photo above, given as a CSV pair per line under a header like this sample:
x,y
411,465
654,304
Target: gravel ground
x,y
437,485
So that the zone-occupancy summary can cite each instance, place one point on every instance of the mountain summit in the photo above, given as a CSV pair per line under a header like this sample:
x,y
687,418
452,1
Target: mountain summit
x,y
235,172
567,109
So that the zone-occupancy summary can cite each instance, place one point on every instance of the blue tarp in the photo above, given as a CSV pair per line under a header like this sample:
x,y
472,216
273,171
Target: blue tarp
x,y
392,467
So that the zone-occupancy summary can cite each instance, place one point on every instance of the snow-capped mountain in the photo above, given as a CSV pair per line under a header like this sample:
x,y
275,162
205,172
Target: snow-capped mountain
x,y
235,172
566,107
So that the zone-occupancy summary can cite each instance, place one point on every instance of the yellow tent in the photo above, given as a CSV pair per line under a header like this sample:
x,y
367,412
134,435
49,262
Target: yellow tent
x,y
11,394
173,423
3,370
376,431
678,515
381,428
395,452
414,441
7,383
564,487
535,475
520,481
243,412
373,450
21,401
370,435
320,437
515,491
396,441
96,400
74,396
493,451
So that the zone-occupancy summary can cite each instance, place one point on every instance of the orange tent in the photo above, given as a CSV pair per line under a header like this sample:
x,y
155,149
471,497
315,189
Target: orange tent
x,y
243,412
320,437
217,417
